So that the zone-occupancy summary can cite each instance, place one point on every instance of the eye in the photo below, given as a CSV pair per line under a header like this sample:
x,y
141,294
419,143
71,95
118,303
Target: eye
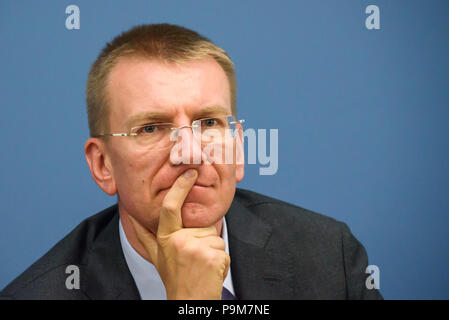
x,y
210,122
148,128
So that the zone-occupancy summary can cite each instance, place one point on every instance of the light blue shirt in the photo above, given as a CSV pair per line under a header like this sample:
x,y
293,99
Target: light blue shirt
x,y
147,278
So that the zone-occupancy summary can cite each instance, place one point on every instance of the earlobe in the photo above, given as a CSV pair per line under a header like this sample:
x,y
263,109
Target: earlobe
x,y
239,173
240,156
100,167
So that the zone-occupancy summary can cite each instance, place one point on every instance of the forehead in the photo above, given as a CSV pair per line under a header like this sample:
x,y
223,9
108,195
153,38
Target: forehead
x,y
137,85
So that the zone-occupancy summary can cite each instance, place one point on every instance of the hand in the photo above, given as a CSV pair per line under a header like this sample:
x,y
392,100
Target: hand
x,y
191,262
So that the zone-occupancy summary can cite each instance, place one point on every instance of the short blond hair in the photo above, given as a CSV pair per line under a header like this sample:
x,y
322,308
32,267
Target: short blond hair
x,y
164,42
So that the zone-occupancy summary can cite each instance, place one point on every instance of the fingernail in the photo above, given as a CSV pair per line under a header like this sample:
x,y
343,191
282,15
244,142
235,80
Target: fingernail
x,y
190,173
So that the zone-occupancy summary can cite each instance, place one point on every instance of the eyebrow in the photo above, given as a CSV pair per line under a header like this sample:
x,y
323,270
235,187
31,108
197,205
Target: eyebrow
x,y
157,116
211,110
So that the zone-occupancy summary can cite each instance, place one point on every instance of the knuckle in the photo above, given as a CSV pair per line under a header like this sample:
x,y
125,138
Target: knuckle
x,y
193,250
223,256
177,242
222,243
225,263
227,259
210,258
169,206
223,259
214,258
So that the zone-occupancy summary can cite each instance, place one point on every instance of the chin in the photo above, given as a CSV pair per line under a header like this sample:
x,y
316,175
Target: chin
x,y
196,215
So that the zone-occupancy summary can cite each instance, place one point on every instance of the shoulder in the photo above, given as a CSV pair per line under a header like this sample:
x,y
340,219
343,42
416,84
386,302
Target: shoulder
x,y
327,261
293,227
50,269
278,213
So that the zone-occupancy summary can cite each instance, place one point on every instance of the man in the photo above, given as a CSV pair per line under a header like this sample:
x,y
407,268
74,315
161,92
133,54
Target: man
x,y
161,100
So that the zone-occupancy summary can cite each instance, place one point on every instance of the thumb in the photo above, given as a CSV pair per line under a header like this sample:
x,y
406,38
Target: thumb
x,y
146,238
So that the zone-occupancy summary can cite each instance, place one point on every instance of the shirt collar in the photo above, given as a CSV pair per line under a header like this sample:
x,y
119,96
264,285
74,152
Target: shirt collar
x,y
145,275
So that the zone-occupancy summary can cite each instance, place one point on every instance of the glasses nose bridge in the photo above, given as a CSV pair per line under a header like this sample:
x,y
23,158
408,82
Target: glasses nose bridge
x,y
176,131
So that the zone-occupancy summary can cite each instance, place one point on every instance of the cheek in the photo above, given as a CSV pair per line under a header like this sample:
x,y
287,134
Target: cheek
x,y
133,172
226,173
227,186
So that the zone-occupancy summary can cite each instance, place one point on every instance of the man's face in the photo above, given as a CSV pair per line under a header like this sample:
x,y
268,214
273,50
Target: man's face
x,y
179,94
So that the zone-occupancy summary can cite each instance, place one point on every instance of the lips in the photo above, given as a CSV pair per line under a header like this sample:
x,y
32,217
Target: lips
x,y
197,184
206,179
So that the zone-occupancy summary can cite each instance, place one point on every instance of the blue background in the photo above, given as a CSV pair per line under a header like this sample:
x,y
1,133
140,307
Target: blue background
x,y
362,118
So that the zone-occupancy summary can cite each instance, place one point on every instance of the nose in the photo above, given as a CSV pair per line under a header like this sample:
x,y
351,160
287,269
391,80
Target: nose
x,y
187,148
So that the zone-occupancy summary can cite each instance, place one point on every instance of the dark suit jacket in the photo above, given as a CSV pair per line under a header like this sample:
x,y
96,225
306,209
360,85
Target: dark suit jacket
x,y
278,251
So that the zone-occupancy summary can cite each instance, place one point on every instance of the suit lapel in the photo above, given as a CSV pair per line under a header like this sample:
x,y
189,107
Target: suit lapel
x,y
260,268
107,274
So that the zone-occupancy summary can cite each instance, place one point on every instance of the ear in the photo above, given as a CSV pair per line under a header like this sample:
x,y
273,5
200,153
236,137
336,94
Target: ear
x,y
240,155
100,166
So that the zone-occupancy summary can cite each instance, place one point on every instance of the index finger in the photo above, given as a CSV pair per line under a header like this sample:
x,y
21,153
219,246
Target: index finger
x,y
170,219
